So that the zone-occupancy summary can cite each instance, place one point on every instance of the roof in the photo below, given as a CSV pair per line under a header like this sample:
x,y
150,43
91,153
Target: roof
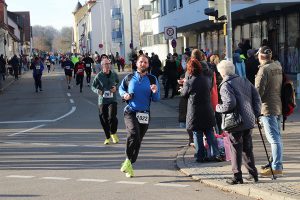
x,y
78,6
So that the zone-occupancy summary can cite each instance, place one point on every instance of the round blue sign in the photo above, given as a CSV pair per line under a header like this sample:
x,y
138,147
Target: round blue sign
x,y
174,43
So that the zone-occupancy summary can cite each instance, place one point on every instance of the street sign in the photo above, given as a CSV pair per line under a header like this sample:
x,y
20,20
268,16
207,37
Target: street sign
x,y
174,43
100,46
170,32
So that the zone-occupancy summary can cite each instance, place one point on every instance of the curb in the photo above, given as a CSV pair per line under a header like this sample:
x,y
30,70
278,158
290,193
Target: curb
x,y
246,190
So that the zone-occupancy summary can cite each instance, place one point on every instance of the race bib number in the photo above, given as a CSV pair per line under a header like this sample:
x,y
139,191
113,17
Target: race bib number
x,y
67,67
88,65
108,94
143,118
38,67
80,70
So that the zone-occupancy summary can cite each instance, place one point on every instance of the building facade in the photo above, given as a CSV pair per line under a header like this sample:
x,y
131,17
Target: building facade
x,y
277,21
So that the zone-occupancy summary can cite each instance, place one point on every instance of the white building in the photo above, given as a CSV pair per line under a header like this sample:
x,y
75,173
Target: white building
x,y
104,26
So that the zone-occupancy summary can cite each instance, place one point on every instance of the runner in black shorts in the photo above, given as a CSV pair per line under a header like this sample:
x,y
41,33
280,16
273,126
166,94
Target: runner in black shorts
x,y
68,67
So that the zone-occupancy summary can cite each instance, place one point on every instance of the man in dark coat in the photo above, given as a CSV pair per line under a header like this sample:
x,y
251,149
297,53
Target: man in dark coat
x,y
14,62
251,66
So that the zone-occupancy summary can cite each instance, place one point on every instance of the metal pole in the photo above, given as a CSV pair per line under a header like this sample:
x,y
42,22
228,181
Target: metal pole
x,y
131,31
229,31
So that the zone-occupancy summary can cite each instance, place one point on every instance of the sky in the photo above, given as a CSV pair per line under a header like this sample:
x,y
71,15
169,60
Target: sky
x,y
56,13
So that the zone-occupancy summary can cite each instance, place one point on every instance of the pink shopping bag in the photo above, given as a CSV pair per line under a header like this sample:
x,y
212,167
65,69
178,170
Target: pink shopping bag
x,y
227,147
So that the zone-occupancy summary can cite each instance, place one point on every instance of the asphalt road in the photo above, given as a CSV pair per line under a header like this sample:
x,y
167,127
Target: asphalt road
x,y
51,147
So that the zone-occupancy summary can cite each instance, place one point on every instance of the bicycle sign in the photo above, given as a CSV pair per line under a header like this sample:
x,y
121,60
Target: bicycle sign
x,y
170,33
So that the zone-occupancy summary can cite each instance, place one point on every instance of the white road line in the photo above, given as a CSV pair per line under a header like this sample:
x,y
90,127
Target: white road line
x,y
18,176
36,127
170,185
91,103
72,101
40,144
131,182
41,121
67,145
56,178
92,180
12,142
91,146
68,94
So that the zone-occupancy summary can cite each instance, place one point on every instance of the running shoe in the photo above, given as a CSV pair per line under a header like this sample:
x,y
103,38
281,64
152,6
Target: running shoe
x,y
127,168
115,138
107,141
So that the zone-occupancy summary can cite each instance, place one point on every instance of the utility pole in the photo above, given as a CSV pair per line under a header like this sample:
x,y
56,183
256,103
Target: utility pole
x,y
131,31
228,30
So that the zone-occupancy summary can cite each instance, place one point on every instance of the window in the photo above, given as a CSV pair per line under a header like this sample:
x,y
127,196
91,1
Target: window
x,y
172,5
147,14
155,6
163,7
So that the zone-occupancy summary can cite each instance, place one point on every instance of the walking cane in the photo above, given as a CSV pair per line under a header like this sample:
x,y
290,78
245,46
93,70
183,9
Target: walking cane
x,y
259,128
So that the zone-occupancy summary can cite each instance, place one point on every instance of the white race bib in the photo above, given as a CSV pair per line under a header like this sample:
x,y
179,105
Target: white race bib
x,y
143,118
80,70
38,67
108,94
88,65
67,67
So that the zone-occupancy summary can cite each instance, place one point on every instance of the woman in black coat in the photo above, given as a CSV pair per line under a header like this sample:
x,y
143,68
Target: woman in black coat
x,y
200,115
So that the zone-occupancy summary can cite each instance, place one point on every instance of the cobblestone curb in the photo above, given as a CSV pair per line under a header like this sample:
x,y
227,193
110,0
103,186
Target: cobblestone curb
x,y
211,174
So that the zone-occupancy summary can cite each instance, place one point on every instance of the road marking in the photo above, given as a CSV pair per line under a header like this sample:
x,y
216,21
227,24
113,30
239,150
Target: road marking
x,y
72,101
91,103
42,121
131,182
18,176
67,145
56,178
68,94
12,142
94,146
92,180
40,144
36,127
170,185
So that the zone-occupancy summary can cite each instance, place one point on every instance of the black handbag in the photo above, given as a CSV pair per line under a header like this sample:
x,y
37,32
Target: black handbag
x,y
231,120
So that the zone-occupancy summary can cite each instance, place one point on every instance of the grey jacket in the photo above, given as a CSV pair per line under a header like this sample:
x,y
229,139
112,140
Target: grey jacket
x,y
238,91
268,82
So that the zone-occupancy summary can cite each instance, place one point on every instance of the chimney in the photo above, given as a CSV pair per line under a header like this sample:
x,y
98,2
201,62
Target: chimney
x,y
2,12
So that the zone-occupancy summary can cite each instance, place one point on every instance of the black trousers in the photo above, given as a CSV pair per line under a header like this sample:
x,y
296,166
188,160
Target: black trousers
x,y
108,118
88,72
171,83
79,80
135,135
38,81
242,151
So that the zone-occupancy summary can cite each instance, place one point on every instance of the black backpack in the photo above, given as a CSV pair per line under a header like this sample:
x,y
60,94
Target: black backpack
x,y
288,98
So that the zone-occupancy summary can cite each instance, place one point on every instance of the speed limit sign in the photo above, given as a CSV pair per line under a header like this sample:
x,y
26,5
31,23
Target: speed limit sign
x,y
170,33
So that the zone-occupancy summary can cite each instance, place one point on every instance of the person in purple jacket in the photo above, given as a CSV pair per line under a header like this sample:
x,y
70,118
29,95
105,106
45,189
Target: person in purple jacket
x,y
37,68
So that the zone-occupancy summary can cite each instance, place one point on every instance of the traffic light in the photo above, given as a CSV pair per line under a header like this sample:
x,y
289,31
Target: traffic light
x,y
216,10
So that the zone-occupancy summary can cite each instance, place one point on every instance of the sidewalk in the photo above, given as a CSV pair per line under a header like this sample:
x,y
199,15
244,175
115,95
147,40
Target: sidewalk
x,y
283,188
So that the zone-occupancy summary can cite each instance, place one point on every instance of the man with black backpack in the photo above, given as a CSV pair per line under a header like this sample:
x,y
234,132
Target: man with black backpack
x,y
138,89
268,82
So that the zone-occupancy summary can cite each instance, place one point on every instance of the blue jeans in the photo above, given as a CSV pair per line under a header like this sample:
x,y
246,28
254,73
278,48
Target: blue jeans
x,y
199,146
272,129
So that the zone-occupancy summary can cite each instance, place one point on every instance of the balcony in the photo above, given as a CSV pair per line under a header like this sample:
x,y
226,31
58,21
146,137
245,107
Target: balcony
x,y
116,36
116,13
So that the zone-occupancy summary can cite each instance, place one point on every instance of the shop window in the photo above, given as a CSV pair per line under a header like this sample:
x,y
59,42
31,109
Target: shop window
x,y
256,35
237,36
155,6
292,65
214,41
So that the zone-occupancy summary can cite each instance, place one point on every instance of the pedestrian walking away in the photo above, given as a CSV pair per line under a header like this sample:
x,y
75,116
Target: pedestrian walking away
x,y
268,82
88,62
68,67
238,93
2,71
79,71
105,86
138,89
14,62
37,71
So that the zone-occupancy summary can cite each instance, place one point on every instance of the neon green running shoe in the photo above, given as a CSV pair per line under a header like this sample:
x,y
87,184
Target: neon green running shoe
x,y
115,138
107,141
126,165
